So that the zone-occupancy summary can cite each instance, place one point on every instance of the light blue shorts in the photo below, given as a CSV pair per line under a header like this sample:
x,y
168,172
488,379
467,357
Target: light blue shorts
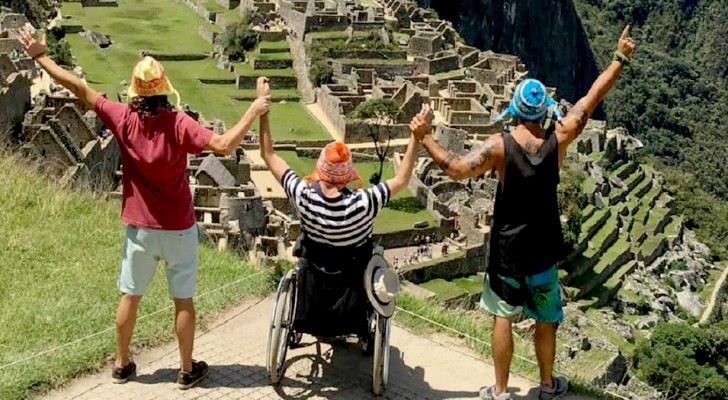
x,y
145,248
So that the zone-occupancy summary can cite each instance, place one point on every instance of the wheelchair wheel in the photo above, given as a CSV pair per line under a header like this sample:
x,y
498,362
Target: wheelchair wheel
x,y
280,333
381,355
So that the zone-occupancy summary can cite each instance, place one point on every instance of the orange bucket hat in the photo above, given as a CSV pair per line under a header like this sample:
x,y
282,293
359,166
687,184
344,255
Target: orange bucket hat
x,y
335,166
149,79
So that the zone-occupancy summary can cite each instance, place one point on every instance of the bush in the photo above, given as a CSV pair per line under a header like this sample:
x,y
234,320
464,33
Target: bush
x,y
58,48
685,362
321,72
237,39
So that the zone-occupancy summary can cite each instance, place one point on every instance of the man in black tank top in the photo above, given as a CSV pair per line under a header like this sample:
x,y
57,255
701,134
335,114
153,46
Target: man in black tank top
x,y
526,240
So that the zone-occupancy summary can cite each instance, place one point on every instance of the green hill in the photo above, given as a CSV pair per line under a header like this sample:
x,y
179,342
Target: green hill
x,y
59,261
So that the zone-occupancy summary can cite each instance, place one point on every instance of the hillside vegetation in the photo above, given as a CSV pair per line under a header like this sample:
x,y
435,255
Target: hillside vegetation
x,y
674,97
59,260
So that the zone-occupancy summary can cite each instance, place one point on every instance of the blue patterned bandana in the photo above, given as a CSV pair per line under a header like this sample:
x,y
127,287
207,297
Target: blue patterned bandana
x,y
531,103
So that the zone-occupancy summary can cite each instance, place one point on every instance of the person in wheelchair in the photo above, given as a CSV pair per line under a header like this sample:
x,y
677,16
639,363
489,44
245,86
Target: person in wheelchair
x,y
336,222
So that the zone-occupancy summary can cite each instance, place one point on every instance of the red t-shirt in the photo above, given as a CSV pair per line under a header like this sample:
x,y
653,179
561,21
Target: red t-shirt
x,y
154,162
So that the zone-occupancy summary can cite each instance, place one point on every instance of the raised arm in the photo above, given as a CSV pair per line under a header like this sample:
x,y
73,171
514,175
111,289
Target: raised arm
x,y
480,160
576,119
228,141
36,49
276,165
421,121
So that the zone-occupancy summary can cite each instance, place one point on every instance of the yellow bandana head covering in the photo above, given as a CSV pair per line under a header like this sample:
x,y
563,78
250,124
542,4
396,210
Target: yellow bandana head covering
x,y
148,79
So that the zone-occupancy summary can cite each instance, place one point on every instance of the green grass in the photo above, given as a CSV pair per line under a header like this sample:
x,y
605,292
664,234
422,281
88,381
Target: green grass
x,y
472,284
105,69
588,185
271,56
602,235
595,217
276,45
59,263
389,219
443,289
332,35
140,24
369,61
246,69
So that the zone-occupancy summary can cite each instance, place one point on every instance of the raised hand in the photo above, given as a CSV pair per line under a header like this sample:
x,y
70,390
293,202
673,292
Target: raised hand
x,y
263,86
261,105
626,44
421,124
34,47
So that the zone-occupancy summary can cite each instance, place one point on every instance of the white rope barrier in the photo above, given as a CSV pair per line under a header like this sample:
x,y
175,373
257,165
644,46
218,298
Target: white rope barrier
x,y
461,333
42,353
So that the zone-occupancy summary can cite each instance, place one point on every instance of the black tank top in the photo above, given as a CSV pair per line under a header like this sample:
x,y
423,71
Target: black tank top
x,y
526,236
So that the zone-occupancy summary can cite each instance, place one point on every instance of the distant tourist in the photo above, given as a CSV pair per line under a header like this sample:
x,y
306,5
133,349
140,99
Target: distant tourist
x,y
157,205
444,249
526,240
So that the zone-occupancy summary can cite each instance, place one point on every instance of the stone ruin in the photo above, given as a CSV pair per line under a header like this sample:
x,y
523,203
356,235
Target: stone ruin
x,y
58,131
71,144
467,87
470,202
231,211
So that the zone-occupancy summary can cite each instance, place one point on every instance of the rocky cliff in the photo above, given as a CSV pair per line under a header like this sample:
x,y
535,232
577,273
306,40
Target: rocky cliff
x,y
546,34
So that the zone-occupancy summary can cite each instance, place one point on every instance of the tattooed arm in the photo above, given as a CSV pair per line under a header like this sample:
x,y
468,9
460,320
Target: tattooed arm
x,y
480,160
576,119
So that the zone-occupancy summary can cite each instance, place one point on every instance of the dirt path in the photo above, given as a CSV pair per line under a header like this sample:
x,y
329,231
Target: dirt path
x,y
716,298
235,346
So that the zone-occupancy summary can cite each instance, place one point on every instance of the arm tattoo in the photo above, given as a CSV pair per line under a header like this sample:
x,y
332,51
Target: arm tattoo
x,y
581,115
445,164
481,157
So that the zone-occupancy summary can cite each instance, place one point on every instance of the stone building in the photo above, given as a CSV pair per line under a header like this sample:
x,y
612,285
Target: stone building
x,y
70,144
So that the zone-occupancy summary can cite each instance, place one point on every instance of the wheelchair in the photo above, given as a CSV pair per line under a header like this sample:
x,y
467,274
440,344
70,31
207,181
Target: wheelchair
x,y
328,304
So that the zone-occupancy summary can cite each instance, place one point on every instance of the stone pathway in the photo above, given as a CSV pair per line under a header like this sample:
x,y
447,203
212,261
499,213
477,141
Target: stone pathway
x,y
716,298
235,346
308,95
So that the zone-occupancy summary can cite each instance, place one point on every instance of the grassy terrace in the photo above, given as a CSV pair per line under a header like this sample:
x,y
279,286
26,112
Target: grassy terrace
x,y
135,26
601,236
334,35
622,168
443,289
472,284
595,217
369,61
59,282
402,212
588,185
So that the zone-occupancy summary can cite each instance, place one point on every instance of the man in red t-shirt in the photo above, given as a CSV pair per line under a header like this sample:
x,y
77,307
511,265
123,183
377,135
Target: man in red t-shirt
x,y
157,204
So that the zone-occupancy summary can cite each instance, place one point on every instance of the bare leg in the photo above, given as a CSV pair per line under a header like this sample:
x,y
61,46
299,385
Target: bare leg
x,y
545,344
184,324
126,315
502,352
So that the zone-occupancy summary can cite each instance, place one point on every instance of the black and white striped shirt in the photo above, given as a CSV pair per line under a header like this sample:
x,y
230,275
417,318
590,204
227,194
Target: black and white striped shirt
x,y
346,220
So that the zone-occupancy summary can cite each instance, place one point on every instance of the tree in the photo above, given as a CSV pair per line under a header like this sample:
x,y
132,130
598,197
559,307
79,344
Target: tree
x,y
379,115
238,38
58,48
685,362
321,72
570,201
